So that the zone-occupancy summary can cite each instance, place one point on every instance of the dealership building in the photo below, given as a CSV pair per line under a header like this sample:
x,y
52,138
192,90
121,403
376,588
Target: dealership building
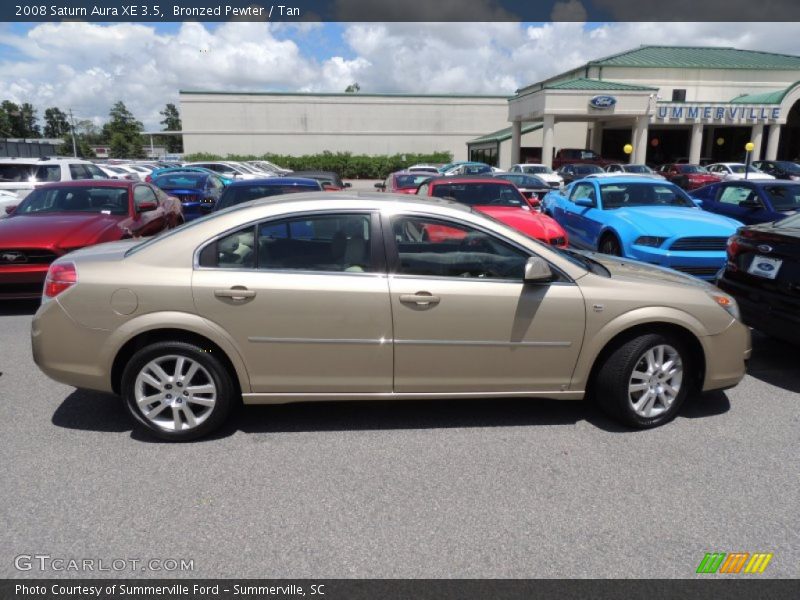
x,y
667,102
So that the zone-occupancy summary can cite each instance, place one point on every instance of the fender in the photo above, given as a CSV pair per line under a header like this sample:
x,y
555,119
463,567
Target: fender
x,y
178,320
594,343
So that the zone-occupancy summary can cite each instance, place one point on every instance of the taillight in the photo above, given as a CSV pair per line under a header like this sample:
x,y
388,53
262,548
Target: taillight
x,y
60,277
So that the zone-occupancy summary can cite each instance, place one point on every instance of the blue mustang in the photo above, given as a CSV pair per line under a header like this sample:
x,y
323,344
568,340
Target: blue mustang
x,y
751,201
166,170
647,220
198,192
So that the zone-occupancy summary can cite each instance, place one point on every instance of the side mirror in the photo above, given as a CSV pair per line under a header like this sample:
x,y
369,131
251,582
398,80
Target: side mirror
x,y
146,207
10,209
534,202
537,271
585,202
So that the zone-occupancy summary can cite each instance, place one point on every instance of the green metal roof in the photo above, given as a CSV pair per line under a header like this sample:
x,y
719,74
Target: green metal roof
x,y
505,134
595,84
775,97
699,57
343,94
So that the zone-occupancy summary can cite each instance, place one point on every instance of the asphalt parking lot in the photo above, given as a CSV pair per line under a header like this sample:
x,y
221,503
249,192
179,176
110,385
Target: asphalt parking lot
x,y
417,489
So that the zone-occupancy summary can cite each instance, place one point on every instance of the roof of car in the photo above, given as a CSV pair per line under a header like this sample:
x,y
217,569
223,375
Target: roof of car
x,y
269,181
482,178
44,160
89,183
761,182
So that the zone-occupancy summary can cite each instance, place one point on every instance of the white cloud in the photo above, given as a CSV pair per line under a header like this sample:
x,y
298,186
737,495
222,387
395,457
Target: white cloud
x,y
90,66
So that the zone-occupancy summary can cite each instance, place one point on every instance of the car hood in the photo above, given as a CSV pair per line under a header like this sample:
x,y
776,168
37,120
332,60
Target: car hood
x,y
671,221
532,223
61,230
624,269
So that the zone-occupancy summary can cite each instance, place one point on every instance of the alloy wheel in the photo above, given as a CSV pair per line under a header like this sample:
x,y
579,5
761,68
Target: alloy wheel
x,y
655,381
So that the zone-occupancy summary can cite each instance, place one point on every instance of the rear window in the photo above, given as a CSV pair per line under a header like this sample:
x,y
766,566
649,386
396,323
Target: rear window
x,y
29,172
784,197
234,195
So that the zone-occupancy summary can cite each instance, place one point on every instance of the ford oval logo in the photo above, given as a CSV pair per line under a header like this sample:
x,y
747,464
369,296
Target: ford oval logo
x,y
765,267
765,248
602,102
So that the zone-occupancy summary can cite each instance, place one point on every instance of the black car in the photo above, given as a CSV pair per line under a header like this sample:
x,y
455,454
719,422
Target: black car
x,y
575,171
533,188
780,169
763,274
327,179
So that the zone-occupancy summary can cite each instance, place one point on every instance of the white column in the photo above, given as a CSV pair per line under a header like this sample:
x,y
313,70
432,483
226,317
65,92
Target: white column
x,y
548,125
756,137
708,150
695,143
772,141
516,141
639,153
596,141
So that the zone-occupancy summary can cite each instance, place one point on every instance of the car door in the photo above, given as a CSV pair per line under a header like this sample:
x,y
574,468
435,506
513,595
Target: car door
x,y
579,221
729,201
147,221
465,322
306,301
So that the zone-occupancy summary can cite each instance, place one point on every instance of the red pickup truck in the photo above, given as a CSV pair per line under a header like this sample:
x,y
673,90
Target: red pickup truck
x,y
567,156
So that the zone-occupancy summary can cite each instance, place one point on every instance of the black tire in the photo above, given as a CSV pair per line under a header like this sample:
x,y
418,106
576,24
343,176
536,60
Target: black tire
x,y
609,244
614,375
214,368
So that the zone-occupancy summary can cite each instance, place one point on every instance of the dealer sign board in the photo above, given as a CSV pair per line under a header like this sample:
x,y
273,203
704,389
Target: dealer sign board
x,y
602,102
712,112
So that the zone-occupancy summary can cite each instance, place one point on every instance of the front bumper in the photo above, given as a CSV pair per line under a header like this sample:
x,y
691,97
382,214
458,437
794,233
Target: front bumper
x,y
726,354
702,264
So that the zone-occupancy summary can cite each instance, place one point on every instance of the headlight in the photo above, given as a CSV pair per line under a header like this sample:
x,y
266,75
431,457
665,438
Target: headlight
x,y
649,240
726,302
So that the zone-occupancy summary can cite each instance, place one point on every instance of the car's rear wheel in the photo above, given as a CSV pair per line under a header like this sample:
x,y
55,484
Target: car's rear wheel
x,y
644,381
177,390
610,245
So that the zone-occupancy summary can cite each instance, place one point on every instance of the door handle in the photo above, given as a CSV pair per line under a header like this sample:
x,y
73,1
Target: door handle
x,y
420,298
235,293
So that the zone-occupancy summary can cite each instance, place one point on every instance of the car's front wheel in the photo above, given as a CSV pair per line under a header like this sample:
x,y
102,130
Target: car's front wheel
x,y
177,390
610,245
644,381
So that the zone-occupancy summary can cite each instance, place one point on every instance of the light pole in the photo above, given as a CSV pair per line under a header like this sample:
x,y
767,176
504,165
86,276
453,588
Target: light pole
x,y
627,149
749,147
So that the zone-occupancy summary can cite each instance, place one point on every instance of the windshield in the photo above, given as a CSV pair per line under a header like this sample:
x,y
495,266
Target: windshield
x,y
180,180
586,169
784,197
481,194
623,195
19,172
238,194
108,200
536,169
524,181
409,181
692,169
789,166
637,169
741,168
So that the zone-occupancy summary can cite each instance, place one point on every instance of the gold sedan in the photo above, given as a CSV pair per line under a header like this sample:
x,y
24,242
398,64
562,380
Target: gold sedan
x,y
361,296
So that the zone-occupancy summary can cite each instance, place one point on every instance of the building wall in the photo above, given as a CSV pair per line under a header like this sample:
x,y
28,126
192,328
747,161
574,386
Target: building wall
x,y
567,134
297,124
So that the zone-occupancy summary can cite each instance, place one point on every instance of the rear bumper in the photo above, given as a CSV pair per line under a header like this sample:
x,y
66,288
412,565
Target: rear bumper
x,y
726,354
777,315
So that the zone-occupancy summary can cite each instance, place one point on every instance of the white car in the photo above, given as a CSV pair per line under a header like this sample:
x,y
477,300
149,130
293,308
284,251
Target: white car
x,y
637,170
423,169
731,171
231,170
21,175
268,167
7,199
545,173
117,172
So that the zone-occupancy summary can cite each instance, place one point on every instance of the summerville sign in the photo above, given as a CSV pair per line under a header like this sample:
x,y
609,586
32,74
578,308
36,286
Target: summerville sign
x,y
718,113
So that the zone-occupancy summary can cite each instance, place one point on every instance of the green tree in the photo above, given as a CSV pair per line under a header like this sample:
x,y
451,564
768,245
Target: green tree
x,y
171,122
118,147
135,148
30,125
55,123
353,88
123,132
12,121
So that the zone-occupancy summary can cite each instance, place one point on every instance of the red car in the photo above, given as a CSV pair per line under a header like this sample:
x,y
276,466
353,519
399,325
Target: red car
x,y
402,182
499,199
57,218
688,177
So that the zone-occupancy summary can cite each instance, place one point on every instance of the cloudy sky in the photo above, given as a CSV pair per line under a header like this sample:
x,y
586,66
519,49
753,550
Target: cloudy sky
x,y
87,67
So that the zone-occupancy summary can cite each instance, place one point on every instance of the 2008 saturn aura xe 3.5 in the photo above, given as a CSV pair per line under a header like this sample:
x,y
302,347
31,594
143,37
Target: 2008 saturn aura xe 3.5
x,y
346,296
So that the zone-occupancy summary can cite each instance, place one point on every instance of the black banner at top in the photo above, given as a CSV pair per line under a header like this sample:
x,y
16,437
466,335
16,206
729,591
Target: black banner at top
x,y
400,10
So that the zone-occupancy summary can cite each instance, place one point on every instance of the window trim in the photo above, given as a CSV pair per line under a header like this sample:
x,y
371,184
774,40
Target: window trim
x,y
393,256
377,256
